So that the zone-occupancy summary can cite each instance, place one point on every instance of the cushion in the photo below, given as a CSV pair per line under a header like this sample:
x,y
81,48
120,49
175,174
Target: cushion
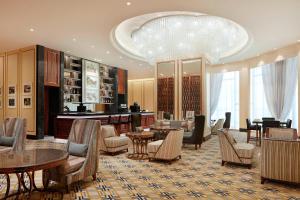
x,y
108,131
244,150
190,125
78,149
153,146
113,142
71,165
4,149
187,134
7,141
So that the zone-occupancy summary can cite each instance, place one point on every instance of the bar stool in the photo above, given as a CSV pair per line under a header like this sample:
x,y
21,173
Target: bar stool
x,y
124,124
115,121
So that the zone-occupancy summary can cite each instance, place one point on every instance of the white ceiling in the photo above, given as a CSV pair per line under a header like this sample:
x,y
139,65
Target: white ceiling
x,y
271,24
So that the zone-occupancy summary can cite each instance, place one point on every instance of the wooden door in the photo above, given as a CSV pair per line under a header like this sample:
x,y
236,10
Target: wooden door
x,y
121,81
52,68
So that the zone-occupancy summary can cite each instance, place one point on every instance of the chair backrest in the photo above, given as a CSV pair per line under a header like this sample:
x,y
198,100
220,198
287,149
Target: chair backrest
x,y
268,118
227,149
167,115
15,127
281,133
289,123
248,123
135,121
272,124
199,128
227,120
190,114
160,115
171,146
82,130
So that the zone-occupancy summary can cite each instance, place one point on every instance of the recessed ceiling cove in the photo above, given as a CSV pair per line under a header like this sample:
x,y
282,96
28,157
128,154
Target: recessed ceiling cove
x,y
166,36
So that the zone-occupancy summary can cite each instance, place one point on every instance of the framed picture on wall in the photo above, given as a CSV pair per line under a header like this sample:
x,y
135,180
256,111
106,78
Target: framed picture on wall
x,y
11,102
27,88
27,102
12,90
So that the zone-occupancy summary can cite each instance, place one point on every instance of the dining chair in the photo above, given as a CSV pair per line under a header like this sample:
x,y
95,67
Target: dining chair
x,y
227,120
289,123
268,118
253,127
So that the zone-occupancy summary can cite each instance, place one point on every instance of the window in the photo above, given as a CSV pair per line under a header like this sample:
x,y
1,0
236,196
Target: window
x,y
258,104
229,99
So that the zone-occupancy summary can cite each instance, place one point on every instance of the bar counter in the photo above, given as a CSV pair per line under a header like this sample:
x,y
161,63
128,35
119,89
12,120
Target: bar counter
x,y
121,121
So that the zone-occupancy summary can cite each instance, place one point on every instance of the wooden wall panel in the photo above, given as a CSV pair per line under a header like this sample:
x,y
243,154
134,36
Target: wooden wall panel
x,y
11,74
28,77
148,95
2,104
138,92
130,93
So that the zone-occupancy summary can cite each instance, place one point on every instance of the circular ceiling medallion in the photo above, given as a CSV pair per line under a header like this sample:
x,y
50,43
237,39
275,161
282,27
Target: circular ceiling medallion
x,y
179,35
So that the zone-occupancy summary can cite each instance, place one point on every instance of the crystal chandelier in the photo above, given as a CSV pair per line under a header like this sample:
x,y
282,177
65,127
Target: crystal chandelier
x,y
186,36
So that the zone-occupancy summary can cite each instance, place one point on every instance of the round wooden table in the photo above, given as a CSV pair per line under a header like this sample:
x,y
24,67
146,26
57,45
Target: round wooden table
x,y
25,163
140,142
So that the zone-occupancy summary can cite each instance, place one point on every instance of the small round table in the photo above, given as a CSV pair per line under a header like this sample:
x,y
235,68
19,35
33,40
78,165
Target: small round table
x,y
140,142
26,163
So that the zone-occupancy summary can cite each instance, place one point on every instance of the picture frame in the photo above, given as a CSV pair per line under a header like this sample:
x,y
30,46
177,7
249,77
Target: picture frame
x,y
27,101
27,88
11,102
12,90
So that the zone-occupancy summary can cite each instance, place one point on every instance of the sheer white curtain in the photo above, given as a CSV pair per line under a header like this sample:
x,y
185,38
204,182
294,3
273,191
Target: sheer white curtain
x,y
229,99
279,82
215,90
258,103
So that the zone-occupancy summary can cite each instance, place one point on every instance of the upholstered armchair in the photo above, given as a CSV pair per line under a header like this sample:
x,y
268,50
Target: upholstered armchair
x,y
196,136
167,149
83,155
234,152
110,142
218,125
280,158
13,134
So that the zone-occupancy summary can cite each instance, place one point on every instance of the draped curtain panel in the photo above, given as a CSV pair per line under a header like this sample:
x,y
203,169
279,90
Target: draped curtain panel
x,y
280,82
215,90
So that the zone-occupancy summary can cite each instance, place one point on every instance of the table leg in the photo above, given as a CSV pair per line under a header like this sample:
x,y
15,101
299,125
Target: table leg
x,y
8,186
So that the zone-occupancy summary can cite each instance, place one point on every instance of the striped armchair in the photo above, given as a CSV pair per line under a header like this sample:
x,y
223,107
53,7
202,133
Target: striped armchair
x,y
78,167
234,152
110,142
167,149
280,158
14,127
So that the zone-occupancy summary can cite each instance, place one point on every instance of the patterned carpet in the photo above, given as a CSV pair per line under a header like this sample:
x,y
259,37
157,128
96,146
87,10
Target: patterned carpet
x,y
198,175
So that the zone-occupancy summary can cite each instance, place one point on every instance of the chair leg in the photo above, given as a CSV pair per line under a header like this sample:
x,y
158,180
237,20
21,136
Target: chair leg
x,y
249,166
196,146
262,180
179,156
68,188
223,162
94,176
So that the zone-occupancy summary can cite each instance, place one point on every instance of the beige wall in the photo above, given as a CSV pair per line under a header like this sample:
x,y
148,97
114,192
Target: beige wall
x,y
244,68
142,92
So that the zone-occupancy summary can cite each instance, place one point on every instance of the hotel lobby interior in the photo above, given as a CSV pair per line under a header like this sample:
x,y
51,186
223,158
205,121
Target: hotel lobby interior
x,y
160,99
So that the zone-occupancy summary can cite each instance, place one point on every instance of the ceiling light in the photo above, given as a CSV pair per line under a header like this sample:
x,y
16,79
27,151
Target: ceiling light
x,y
161,74
298,40
184,73
121,57
128,3
107,52
140,64
180,35
31,30
68,51
74,39
92,46
274,48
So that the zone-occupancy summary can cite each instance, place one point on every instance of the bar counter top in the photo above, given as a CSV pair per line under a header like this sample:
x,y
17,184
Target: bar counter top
x,y
93,114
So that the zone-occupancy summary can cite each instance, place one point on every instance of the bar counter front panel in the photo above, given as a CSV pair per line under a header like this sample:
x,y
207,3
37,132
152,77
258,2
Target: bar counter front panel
x,y
121,121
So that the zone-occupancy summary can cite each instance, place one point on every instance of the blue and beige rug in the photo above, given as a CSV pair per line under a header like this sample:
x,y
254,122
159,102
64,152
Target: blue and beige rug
x,y
198,175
